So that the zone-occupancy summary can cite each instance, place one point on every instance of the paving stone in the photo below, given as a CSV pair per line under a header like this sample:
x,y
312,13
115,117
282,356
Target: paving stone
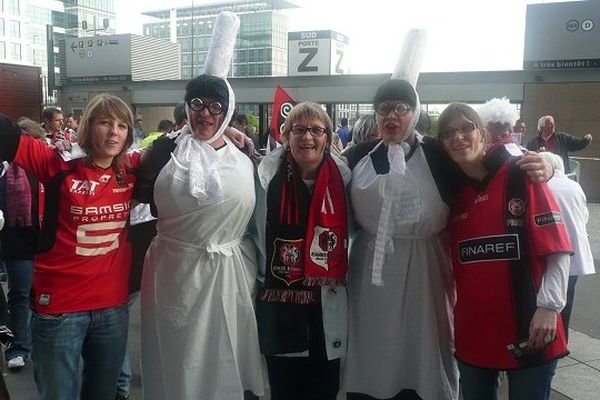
x,y
583,347
578,382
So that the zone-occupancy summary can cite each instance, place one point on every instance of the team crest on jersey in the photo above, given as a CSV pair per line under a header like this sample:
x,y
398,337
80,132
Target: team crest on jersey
x,y
104,178
552,217
84,187
516,206
286,262
324,241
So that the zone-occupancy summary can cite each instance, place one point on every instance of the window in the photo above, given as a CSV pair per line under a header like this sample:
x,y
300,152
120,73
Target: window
x,y
1,26
15,29
14,7
16,51
2,50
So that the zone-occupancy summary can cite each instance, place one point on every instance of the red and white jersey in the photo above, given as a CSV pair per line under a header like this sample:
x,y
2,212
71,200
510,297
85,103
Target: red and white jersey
x,y
488,260
84,257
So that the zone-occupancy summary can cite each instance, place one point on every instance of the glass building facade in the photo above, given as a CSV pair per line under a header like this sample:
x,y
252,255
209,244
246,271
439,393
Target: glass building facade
x,y
24,32
261,45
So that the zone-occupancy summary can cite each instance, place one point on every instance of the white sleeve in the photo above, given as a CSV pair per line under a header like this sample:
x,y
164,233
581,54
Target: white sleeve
x,y
1,220
553,290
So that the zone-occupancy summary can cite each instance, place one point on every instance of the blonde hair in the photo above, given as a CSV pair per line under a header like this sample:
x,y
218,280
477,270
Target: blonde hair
x,y
311,110
105,105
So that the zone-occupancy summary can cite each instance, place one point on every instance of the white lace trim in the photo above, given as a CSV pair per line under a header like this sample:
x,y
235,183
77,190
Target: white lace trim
x,y
401,205
202,161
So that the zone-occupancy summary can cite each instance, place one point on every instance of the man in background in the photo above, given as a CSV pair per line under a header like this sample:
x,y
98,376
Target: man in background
x,y
343,132
560,143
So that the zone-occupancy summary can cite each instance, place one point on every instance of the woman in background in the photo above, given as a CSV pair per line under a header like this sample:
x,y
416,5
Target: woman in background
x,y
22,200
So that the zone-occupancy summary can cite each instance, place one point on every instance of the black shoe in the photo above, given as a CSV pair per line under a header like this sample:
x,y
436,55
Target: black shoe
x,y
122,396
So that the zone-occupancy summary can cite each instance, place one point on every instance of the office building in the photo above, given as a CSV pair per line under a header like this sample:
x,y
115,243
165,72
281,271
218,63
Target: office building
x,y
30,30
261,48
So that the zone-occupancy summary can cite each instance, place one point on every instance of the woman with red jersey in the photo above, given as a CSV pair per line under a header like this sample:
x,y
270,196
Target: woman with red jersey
x,y
81,269
511,272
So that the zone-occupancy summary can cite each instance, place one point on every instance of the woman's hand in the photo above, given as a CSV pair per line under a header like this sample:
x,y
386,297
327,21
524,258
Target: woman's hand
x,y
542,328
538,169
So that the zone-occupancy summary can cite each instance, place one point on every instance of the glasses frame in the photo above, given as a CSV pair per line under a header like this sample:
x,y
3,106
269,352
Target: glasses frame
x,y
320,131
208,106
450,132
397,109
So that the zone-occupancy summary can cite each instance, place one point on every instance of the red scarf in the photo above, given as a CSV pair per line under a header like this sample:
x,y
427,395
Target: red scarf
x,y
307,234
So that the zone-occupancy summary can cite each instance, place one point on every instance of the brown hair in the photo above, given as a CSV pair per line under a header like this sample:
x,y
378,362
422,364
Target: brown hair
x,y
455,110
311,110
105,105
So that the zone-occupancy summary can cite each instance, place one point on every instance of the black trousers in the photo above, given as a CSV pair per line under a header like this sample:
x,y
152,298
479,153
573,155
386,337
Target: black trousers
x,y
306,378
405,394
140,237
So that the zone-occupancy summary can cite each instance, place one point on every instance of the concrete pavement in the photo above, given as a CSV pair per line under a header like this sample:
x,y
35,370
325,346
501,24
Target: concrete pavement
x,y
577,376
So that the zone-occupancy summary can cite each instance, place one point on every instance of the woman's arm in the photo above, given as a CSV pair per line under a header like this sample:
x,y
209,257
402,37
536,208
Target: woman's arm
x,y
551,299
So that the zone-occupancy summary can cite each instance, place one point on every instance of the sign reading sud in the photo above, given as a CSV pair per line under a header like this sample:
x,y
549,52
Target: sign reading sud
x,y
317,53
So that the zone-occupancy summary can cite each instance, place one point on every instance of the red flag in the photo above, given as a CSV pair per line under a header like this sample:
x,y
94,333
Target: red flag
x,y
282,104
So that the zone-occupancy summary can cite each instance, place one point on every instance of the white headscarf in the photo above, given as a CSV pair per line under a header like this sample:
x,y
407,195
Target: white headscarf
x,y
192,152
401,201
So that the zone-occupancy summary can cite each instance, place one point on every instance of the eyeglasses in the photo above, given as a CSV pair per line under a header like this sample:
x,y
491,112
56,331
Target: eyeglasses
x,y
315,131
214,107
400,109
465,128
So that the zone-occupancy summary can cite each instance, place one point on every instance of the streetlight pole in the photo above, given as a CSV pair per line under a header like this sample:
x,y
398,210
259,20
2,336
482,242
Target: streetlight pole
x,y
192,45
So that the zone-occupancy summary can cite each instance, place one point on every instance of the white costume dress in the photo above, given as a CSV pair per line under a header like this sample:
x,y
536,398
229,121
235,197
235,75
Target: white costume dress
x,y
400,334
199,333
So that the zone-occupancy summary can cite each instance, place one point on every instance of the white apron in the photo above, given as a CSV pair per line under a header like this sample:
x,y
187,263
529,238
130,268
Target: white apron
x,y
199,334
401,333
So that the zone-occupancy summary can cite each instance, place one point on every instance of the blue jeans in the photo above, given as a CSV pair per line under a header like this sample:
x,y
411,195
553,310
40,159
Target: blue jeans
x,y
19,274
99,337
531,383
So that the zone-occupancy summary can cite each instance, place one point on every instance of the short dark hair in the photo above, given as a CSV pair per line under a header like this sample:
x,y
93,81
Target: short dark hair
x,y
424,123
396,89
241,118
75,115
165,126
208,86
344,121
49,113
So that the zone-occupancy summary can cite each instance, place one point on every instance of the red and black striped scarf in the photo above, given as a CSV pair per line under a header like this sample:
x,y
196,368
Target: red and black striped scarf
x,y
307,234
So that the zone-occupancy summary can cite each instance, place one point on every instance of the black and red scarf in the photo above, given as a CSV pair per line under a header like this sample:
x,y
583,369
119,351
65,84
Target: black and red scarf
x,y
307,234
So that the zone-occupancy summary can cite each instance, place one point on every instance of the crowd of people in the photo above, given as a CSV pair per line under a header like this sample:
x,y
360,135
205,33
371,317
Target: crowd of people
x,y
356,264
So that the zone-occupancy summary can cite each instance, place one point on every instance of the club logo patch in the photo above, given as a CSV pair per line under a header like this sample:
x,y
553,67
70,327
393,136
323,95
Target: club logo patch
x,y
286,262
549,218
489,248
104,178
516,206
324,241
